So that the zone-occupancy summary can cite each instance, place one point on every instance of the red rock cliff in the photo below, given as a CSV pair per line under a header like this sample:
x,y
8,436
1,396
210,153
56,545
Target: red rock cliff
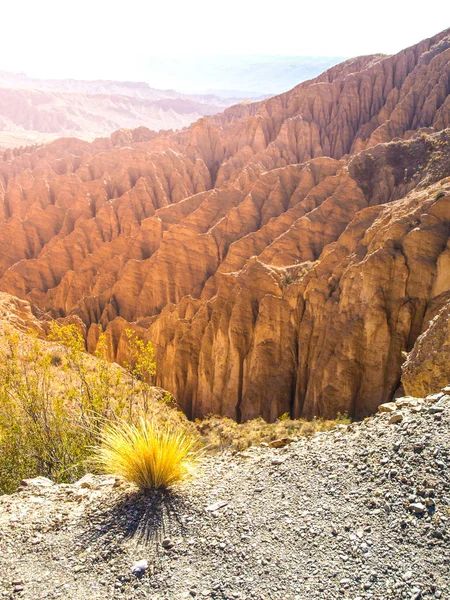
x,y
282,256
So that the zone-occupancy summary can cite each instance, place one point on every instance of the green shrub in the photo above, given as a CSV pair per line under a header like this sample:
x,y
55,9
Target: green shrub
x,y
52,409
57,403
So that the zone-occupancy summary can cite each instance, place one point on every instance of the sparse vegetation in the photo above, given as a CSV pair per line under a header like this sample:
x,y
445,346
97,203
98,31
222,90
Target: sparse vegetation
x,y
149,454
294,273
424,159
409,158
141,365
54,399
222,433
58,403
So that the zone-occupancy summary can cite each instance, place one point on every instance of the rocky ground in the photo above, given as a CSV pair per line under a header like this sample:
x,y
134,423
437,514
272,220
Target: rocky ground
x,y
361,511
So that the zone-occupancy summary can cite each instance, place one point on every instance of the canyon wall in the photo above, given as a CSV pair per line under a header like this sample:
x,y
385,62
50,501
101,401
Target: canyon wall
x,y
282,256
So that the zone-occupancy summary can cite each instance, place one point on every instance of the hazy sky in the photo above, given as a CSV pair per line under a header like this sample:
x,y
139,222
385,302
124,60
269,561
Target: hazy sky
x,y
110,39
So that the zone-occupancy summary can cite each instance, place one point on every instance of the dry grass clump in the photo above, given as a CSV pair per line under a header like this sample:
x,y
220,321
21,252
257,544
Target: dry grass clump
x,y
54,399
221,433
57,403
149,454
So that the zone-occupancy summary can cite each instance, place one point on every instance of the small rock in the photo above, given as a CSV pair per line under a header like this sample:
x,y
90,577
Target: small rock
x,y
281,442
387,407
167,543
139,567
87,481
438,534
417,508
78,569
37,482
406,401
396,417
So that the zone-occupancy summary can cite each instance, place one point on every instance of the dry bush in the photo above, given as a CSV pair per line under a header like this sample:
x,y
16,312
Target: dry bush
x,y
51,410
149,454
55,399
222,433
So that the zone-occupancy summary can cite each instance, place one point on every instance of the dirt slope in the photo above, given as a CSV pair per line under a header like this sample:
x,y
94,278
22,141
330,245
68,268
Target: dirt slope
x,y
358,512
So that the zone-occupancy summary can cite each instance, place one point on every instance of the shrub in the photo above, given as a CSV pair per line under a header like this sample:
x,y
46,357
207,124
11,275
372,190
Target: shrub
x,y
57,404
55,359
40,433
284,417
222,433
51,411
148,454
141,365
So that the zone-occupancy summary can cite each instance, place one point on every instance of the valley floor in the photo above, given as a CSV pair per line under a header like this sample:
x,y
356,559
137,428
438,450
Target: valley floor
x,y
361,511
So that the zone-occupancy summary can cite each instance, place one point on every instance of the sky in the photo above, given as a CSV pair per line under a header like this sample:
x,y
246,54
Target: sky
x,y
99,39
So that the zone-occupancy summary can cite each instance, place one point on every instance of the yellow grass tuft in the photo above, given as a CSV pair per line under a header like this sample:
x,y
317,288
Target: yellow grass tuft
x,y
148,454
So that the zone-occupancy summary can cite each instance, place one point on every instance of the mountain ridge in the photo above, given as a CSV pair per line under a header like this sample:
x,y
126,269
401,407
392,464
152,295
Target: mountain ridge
x,y
281,255
41,110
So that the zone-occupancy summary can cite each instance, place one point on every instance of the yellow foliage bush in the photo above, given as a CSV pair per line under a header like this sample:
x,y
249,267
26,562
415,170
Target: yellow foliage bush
x,y
57,404
54,399
149,454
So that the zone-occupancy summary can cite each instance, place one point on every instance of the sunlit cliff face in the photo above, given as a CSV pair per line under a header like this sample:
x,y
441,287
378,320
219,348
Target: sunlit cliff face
x,y
282,256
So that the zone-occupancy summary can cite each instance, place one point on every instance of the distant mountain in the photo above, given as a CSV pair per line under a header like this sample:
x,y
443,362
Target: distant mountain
x,y
37,110
132,89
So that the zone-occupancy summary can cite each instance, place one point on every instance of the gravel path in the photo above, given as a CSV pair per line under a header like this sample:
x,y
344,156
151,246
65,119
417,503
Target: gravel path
x,y
357,512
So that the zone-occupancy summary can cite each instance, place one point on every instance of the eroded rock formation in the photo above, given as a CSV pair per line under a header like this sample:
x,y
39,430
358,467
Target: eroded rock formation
x,y
429,362
282,256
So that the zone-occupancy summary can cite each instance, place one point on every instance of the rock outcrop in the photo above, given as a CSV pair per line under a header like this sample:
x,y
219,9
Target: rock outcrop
x,y
428,365
282,256
16,315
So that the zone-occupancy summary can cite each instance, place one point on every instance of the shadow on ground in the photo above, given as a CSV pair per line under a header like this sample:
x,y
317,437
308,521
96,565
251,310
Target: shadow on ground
x,y
143,518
